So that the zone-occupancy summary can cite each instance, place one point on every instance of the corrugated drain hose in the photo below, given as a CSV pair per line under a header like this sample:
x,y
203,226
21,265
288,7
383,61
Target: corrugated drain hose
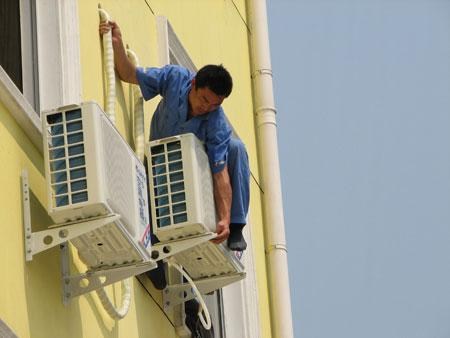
x,y
138,112
108,59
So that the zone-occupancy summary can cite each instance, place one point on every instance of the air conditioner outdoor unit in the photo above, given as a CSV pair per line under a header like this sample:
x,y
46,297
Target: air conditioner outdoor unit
x,y
182,204
91,172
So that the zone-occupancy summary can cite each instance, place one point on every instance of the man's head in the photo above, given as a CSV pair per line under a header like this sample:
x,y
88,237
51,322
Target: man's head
x,y
211,85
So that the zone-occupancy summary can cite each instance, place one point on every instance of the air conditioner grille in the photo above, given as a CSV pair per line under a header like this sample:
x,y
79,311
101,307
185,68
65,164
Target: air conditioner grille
x,y
67,158
169,185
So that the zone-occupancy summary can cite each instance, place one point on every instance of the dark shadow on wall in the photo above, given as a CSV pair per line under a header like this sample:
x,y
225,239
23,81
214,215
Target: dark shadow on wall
x,y
150,301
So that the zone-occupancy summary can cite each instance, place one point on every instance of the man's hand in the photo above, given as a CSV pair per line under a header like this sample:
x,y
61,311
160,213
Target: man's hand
x,y
223,231
125,69
107,26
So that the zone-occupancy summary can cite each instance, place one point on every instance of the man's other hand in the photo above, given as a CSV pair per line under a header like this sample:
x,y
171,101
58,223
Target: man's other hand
x,y
223,231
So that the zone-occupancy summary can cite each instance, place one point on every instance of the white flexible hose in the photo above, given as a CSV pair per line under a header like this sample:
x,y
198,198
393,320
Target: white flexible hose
x,y
108,59
206,319
138,113
109,306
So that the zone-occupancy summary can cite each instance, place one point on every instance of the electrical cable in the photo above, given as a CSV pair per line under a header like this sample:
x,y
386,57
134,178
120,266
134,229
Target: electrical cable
x,y
151,10
206,318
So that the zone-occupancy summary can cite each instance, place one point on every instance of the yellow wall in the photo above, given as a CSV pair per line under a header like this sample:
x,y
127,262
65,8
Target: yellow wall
x,y
30,297
212,31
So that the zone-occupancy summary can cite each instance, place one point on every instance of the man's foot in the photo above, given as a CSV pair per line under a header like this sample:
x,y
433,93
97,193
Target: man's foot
x,y
236,241
193,321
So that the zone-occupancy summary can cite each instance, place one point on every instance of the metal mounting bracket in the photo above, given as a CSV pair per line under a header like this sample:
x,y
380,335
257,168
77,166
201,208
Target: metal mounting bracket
x,y
180,293
76,285
36,242
163,250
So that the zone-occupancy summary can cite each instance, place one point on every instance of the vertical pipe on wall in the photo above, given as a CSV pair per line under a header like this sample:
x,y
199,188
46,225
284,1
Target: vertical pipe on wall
x,y
275,239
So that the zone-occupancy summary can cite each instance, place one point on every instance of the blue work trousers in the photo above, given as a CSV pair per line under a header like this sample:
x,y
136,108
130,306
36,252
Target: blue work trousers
x,y
239,171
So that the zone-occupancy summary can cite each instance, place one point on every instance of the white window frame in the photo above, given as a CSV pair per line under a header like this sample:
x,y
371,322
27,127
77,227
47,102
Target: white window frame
x,y
240,300
58,67
30,73
170,47
236,307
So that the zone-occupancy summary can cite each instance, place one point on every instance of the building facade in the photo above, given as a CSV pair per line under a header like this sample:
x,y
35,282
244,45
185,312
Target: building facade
x,y
53,57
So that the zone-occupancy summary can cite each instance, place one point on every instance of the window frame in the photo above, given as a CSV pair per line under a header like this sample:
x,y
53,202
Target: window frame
x,y
59,74
171,51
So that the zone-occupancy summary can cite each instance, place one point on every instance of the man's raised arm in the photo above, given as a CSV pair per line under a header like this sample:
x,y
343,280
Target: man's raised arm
x,y
125,69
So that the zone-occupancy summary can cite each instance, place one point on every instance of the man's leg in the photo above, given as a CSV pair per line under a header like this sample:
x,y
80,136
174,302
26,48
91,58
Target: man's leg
x,y
239,172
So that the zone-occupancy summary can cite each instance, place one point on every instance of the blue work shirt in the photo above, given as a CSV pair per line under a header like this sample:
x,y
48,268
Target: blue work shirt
x,y
173,83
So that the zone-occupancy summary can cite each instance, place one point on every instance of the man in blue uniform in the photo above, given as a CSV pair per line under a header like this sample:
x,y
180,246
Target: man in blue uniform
x,y
191,103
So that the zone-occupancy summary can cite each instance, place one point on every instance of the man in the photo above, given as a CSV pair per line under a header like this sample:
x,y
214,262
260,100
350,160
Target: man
x,y
192,103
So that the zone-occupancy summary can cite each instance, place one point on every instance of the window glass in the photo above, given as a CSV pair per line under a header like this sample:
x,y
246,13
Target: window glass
x,y
10,36
18,52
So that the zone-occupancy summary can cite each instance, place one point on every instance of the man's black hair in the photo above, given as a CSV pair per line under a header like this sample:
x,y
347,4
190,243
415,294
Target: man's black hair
x,y
216,78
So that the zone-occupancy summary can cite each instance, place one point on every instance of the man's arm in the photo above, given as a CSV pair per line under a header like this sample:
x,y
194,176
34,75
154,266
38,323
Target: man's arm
x,y
222,197
125,69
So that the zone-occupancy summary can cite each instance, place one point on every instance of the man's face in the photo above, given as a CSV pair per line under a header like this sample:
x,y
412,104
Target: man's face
x,y
203,100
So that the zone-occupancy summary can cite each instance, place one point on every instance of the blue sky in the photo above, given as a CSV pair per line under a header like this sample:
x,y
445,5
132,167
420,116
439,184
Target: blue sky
x,y
362,90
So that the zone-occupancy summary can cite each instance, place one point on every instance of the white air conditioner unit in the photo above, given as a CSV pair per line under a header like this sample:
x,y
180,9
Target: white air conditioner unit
x,y
182,204
182,201
91,172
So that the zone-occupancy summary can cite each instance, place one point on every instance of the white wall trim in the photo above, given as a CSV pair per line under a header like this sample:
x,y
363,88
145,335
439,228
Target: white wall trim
x,y
70,52
240,300
169,44
29,52
20,109
174,277
162,40
59,67
58,53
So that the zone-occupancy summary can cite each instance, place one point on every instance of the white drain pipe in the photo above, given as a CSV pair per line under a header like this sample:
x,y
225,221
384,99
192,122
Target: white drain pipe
x,y
108,59
275,239
138,112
